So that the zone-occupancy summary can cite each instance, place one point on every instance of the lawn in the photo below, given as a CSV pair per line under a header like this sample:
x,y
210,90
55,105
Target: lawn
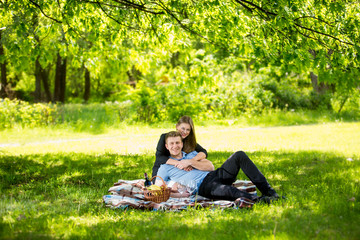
x,y
52,184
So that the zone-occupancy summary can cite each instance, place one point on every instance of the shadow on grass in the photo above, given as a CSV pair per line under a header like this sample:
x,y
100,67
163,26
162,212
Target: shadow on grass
x,y
71,168
63,191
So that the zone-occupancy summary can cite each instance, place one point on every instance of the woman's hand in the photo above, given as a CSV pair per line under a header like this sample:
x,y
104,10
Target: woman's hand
x,y
183,164
188,169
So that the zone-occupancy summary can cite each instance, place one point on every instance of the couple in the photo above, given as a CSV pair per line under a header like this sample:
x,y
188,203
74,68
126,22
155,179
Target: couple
x,y
184,159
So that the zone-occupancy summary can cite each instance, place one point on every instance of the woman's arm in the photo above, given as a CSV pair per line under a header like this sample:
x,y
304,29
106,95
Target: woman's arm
x,y
161,155
195,163
203,164
202,154
199,149
199,156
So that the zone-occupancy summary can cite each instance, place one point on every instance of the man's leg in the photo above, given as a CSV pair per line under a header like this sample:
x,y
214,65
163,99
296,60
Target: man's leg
x,y
213,188
239,160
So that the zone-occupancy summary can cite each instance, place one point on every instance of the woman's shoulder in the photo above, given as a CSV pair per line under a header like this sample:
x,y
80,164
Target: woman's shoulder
x,y
162,138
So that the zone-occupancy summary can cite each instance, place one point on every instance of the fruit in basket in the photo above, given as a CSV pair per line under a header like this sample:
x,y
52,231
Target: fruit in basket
x,y
153,187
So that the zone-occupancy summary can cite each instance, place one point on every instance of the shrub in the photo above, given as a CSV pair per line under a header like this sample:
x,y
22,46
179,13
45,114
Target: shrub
x,y
24,114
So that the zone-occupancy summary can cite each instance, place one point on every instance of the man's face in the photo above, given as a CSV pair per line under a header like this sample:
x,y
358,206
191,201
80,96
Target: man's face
x,y
174,145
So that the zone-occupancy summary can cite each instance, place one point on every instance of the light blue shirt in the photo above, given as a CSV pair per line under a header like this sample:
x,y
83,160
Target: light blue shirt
x,y
169,172
185,155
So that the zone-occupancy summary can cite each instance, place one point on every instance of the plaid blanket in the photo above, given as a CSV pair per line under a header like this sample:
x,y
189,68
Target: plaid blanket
x,y
129,194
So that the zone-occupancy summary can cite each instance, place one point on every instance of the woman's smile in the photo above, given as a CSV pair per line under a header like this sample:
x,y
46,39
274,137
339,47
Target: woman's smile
x,y
184,129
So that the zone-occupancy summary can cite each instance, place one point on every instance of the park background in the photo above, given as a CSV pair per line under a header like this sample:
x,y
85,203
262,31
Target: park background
x,y
87,87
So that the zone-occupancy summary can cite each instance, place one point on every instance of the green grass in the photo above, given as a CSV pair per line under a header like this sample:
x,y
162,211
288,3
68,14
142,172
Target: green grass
x,y
52,190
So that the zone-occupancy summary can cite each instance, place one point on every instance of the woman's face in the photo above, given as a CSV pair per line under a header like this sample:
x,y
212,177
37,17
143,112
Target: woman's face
x,y
184,129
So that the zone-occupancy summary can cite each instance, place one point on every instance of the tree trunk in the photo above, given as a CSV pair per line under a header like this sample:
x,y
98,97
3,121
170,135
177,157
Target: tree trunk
x,y
343,103
41,76
45,80
63,80
60,79
37,93
318,88
4,83
134,76
175,59
87,85
57,79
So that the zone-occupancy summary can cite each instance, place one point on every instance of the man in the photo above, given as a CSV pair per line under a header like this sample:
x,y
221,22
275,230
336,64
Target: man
x,y
180,161
217,184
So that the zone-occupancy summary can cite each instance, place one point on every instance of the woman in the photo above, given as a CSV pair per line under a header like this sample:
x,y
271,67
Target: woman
x,y
186,128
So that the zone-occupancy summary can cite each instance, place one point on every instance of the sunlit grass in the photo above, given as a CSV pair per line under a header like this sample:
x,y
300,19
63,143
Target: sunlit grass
x,y
53,190
342,138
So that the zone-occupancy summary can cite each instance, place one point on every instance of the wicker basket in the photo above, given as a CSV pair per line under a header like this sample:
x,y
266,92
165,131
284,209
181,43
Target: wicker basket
x,y
157,196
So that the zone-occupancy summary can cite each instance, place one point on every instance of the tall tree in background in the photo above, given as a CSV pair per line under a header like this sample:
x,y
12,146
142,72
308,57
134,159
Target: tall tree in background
x,y
3,72
60,79
87,85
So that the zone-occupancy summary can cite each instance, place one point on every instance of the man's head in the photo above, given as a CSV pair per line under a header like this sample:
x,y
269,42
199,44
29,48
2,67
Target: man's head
x,y
173,142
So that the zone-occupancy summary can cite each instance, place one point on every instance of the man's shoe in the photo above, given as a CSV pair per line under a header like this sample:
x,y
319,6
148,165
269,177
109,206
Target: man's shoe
x,y
267,199
272,193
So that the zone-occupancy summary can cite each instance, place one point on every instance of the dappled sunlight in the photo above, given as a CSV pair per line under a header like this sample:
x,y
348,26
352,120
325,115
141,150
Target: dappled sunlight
x,y
67,177
63,192
278,177
84,220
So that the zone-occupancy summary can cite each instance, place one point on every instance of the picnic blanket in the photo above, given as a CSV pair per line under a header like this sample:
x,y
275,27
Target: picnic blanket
x,y
129,194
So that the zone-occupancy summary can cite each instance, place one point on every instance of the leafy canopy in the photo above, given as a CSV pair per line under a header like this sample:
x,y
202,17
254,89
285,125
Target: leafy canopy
x,y
300,36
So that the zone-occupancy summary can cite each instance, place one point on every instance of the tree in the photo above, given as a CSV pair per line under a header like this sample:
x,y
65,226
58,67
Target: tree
x,y
260,33
60,79
3,73
281,32
87,85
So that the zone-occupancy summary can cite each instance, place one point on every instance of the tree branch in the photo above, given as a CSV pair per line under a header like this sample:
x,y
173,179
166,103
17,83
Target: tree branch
x,y
324,34
316,39
39,7
154,30
180,23
111,17
138,7
315,19
262,10
246,7
255,7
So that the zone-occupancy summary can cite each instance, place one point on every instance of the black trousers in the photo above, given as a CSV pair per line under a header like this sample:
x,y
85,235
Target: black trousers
x,y
218,184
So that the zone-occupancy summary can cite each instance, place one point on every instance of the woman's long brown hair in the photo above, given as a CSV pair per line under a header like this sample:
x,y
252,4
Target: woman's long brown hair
x,y
189,141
